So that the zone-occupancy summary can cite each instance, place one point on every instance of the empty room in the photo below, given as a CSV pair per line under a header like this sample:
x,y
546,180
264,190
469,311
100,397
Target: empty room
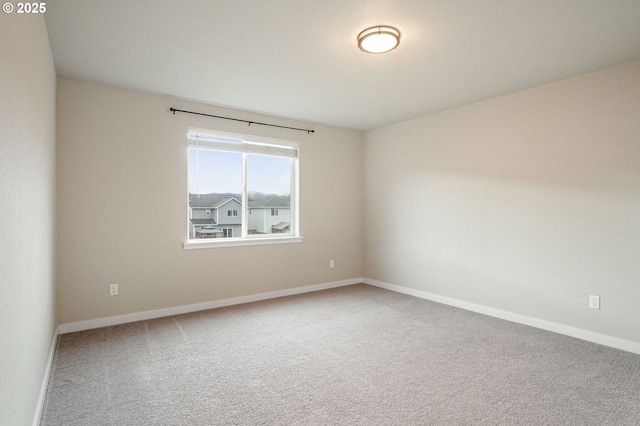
x,y
286,212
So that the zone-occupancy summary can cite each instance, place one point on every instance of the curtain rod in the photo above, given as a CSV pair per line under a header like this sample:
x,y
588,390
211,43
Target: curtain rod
x,y
173,110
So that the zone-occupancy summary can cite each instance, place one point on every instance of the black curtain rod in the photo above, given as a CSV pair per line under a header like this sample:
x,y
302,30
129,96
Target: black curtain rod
x,y
173,110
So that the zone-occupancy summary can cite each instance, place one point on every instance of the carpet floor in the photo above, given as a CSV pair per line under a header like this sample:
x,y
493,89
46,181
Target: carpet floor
x,y
355,355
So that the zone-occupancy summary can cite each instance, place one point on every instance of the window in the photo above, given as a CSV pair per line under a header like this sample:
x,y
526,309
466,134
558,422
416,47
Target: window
x,y
241,174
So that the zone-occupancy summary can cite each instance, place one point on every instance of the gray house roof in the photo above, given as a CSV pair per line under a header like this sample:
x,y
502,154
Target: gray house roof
x,y
211,201
199,222
214,201
270,202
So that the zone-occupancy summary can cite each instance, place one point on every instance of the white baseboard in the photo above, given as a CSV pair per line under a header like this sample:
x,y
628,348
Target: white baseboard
x,y
45,381
177,310
602,339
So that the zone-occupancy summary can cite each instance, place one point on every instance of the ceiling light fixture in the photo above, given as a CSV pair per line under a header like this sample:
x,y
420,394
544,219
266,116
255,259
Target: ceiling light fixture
x,y
378,39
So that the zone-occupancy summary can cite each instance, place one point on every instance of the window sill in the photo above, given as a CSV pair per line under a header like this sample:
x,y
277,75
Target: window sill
x,y
233,242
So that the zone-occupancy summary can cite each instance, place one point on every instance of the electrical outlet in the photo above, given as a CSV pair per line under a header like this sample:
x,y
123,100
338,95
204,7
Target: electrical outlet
x,y
332,264
594,302
113,290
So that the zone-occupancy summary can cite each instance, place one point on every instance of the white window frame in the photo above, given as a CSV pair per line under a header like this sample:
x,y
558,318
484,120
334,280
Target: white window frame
x,y
249,144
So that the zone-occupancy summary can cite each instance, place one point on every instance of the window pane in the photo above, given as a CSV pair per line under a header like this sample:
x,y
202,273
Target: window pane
x,y
269,190
215,185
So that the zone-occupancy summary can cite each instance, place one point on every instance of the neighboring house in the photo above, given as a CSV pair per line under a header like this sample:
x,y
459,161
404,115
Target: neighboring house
x,y
220,215
269,215
215,216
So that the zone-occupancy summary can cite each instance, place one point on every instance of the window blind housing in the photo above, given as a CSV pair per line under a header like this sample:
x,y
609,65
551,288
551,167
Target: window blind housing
x,y
249,145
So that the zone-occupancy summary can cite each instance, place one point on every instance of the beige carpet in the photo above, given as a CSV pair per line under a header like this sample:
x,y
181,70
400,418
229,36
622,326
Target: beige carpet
x,y
356,355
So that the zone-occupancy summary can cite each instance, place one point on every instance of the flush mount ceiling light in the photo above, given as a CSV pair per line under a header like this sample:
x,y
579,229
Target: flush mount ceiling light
x,y
378,39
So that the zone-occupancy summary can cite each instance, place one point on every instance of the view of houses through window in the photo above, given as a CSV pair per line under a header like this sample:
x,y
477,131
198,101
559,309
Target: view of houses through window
x,y
218,207
261,219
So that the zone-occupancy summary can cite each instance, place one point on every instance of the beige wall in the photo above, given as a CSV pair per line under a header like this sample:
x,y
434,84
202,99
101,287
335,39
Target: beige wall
x,y
122,181
27,196
527,203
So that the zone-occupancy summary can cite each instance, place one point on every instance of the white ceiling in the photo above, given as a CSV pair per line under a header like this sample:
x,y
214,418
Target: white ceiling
x,y
299,58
